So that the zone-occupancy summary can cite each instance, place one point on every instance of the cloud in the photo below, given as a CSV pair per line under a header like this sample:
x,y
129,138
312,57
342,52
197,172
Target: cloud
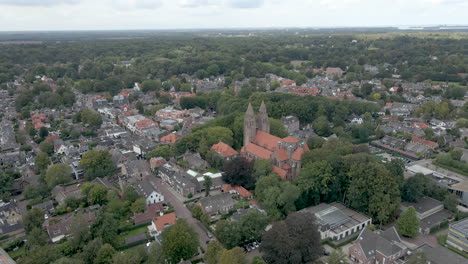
x,y
245,3
198,3
37,2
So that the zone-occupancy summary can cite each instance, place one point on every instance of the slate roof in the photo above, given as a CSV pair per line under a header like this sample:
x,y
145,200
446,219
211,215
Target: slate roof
x,y
217,203
387,242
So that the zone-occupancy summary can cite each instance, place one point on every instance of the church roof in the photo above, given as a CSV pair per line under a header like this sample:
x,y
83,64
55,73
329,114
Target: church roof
x,y
250,110
282,173
297,155
282,155
266,140
257,151
290,139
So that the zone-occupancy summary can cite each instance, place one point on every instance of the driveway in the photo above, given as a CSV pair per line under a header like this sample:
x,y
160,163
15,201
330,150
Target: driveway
x,y
181,210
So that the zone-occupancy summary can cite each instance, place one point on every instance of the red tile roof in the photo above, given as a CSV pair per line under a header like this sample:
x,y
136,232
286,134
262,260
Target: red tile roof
x,y
266,140
142,124
291,139
428,143
282,173
224,149
421,125
257,151
156,162
164,221
238,189
171,138
282,155
297,155
288,83
151,211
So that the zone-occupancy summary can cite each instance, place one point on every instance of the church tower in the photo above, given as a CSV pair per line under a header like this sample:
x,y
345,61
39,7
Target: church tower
x,y
250,126
262,119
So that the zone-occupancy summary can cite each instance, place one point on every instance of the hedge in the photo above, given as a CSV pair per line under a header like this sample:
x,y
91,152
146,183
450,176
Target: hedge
x,y
121,248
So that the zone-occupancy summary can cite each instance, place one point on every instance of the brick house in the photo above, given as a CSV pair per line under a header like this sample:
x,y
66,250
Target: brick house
x,y
374,248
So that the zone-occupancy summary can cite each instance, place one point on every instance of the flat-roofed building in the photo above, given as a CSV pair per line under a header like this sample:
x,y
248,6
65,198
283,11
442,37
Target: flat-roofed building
x,y
458,235
336,221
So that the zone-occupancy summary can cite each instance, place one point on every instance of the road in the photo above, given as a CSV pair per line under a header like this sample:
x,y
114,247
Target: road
x,y
181,210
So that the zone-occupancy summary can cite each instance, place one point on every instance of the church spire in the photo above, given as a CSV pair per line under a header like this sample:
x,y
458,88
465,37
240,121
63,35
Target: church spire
x,y
250,126
262,119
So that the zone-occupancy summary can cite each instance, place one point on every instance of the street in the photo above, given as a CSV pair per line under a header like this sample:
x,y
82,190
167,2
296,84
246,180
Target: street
x,y
181,210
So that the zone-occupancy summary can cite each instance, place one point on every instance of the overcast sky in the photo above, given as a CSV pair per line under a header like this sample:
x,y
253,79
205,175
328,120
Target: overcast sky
x,y
180,14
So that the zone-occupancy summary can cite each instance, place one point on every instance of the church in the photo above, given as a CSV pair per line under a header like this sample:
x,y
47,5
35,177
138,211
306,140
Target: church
x,y
285,154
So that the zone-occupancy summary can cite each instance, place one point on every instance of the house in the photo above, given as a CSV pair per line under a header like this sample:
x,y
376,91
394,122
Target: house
x,y
149,193
61,228
334,72
217,204
336,221
291,123
225,151
104,182
156,163
216,180
10,219
169,139
47,206
461,190
119,100
61,192
195,161
285,154
178,179
239,190
429,211
458,235
137,169
373,248
159,223
170,113
151,211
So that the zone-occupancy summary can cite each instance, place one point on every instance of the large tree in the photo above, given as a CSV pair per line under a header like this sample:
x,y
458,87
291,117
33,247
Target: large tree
x,y
213,252
58,174
295,240
238,172
179,242
233,256
408,224
373,191
42,161
97,163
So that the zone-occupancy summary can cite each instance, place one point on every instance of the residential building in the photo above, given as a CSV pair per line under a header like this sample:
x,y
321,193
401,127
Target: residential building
x,y
238,190
151,211
60,192
178,179
458,235
336,221
159,223
216,205
170,113
149,193
10,219
225,151
137,169
62,227
285,154
195,161
332,72
378,248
